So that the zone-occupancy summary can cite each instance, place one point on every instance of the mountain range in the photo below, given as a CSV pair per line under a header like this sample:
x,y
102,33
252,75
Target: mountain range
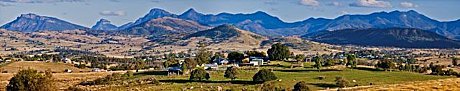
x,y
158,22
392,37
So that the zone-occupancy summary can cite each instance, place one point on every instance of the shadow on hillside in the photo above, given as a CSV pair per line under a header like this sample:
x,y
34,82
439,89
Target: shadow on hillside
x,y
164,73
233,82
324,85
368,69
308,70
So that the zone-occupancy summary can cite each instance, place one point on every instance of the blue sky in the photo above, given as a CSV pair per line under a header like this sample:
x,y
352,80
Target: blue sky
x,y
88,12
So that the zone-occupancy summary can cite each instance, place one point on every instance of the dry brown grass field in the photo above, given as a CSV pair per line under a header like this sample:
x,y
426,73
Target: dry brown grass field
x,y
40,66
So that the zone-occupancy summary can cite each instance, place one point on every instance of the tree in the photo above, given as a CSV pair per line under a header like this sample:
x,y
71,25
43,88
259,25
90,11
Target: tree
x,y
330,62
301,86
437,70
198,74
278,52
31,80
454,61
341,82
386,64
351,60
203,56
189,63
299,57
270,86
256,54
171,63
318,62
264,75
140,64
217,55
231,72
235,56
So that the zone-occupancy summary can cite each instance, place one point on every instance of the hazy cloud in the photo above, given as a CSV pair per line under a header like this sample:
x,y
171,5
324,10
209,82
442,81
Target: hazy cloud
x,y
4,4
334,4
112,13
309,2
39,1
371,4
270,2
408,5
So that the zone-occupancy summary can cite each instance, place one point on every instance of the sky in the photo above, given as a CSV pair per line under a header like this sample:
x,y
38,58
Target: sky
x,y
88,12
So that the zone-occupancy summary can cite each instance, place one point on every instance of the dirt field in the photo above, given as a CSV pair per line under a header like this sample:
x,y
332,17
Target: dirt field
x,y
40,66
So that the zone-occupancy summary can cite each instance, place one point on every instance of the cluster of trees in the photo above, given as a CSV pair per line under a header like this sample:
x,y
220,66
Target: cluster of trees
x,y
199,74
43,57
279,51
320,61
437,70
31,80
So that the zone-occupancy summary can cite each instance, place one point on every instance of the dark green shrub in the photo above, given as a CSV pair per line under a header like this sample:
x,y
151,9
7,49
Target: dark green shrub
x,y
198,74
31,80
264,75
301,86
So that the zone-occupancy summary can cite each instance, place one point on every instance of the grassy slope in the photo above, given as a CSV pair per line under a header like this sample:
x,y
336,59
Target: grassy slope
x,y
40,66
288,79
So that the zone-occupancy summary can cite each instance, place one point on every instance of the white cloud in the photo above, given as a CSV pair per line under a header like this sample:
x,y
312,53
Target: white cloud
x,y
112,13
270,2
4,4
408,5
334,4
371,4
39,1
309,2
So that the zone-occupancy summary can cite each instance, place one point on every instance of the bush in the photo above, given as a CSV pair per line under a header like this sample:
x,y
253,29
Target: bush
x,y
341,82
231,73
264,75
199,74
301,86
31,80
270,86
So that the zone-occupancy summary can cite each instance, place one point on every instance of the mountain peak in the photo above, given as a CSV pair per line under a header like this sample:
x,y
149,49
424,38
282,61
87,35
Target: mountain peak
x,y
191,10
32,22
29,15
104,24
261,13
104,21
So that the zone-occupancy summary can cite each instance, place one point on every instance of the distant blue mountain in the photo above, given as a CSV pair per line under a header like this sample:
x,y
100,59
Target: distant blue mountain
x,y
32,23
105,25
153,14
258,22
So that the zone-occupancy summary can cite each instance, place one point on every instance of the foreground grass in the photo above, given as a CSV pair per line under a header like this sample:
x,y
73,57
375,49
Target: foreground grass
x,y
288,78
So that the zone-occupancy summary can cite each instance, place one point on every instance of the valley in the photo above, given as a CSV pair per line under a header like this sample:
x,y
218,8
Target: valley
x,y
193,51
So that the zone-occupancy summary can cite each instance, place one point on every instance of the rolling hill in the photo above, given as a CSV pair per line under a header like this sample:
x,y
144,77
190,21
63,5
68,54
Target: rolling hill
x,y
391,37
33,23
228,33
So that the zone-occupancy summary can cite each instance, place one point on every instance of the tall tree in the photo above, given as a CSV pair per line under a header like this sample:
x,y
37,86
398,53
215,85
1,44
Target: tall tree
x,y
351,60
454,61
278,52
318,62
203,56
140,64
